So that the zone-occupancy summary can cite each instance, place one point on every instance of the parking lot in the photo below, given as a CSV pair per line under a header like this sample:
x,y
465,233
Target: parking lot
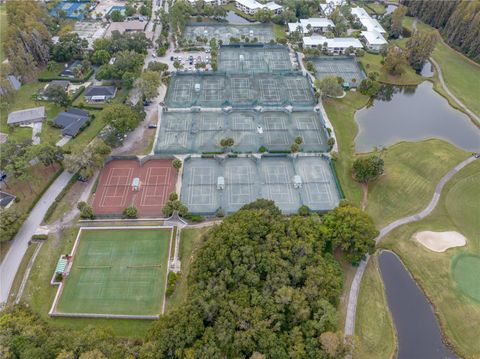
x,y
188,60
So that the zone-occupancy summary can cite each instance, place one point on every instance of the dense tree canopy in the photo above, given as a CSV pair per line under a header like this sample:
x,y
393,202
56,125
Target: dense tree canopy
x,y
368,168
458,22
261,284
121,117
27,39
420,46
69,47
125,61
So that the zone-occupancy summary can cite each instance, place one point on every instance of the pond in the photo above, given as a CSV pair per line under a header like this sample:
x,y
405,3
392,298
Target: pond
x,y
233,18
427,69
413,113
417,328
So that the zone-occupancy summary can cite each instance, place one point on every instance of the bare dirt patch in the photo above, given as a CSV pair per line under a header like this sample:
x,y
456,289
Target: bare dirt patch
x,y
440,241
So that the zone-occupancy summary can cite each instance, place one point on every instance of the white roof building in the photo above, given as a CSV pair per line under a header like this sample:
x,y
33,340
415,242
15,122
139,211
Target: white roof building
x,y
316,23
374,38
330,6
27,116
252,6
335,45
367,21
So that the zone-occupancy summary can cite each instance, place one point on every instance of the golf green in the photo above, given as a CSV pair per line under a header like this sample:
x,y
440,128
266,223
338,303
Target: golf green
x,y
466,269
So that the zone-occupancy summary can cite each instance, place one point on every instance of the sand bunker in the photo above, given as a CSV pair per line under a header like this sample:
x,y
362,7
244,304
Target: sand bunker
x,y
440,241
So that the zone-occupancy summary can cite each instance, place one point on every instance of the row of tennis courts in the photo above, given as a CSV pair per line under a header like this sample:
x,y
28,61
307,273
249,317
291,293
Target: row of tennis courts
x,y
224,32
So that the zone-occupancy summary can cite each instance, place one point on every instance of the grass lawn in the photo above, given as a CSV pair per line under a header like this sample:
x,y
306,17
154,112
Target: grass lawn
x,y
458,210
117,272
21,272
279,31
88,134
461,75
375,8
374,322
371,63
39,294
191,241
412,170
3,29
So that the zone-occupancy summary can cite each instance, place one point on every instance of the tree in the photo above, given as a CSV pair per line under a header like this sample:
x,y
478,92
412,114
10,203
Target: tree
x,y
395,61
157,66
352,230
177,164
58,95
177,64
175,205
116,16
86,211
148,84
226,143
331,343
172,196
87,160
396,27
100,57
331,142
330,87
128,79
70,46
304,211
419,47
264,15
121,117
369,87
368,168
10,222
130,212
47,153
294,148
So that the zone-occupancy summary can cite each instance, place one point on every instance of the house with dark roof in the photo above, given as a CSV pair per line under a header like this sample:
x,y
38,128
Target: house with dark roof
x,y
72,121
27,116
6,200
64,84
100,93
68,71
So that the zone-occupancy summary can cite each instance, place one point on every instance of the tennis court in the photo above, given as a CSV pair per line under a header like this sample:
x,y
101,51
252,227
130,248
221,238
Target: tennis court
x,y
72,10
229,183
345,67
129,182
262,33
196,132
239,90
254,59
116,272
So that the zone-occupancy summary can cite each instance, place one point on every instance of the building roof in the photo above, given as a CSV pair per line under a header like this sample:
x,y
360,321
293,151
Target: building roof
x,y
71,121
317,22
5,199
68,71
100,91
338,42
367,21
29,114
61,83
272,6
251,4
374,38
14,82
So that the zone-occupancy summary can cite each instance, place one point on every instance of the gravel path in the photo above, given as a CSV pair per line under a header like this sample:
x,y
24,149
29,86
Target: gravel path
x,y
355,288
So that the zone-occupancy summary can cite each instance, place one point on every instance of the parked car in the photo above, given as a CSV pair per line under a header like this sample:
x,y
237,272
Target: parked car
x,y
152,125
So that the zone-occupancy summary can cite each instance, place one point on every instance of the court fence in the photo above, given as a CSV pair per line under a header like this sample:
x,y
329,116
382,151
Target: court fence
x,y
198,32
346,67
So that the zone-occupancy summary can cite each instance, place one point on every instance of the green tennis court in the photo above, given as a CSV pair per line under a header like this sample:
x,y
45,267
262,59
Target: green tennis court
x,y
117,272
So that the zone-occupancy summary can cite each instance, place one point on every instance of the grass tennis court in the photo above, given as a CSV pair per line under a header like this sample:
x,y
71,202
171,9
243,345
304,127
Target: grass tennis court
x,y
465,271
117,272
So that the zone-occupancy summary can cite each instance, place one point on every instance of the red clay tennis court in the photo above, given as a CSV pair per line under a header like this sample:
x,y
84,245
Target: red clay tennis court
x,y
128,182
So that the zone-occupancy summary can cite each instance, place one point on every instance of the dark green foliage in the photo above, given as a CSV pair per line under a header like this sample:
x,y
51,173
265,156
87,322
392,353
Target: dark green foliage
x,y
368,168
125,61
369,87
39,237
116,16
172,206
264,204
352,230
260,284
130,212
177,164
157,66
57,95
458,22
420,46
129,41
304,211
69,47
171,281
193,217
10,222
172,196
86,211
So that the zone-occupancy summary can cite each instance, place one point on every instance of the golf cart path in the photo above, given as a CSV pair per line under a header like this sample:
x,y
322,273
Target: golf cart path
x,y
355,287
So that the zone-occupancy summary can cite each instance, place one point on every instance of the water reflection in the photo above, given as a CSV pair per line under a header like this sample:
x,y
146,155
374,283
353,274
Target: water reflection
x,y
412,113
427,69
418,333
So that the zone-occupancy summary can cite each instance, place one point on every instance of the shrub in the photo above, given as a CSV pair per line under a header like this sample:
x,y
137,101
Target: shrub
x,y
86,211
130,212
40,237
58,277
172,196
262,149
193,217
220,212
304,211
171,281
331,142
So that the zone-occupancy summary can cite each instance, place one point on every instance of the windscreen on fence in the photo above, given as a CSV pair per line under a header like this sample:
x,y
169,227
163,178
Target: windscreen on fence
x,y
213,184
239,90
345,67
196,132
202,33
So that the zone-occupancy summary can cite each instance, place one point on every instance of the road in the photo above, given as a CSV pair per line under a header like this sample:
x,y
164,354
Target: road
x,y
355,288
11,262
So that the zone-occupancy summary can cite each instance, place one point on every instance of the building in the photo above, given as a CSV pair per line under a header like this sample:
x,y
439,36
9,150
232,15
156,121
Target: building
x,y
64,84
330,6
335,46
250,7
72,121
6,200
27,117
374,41
126,26
367,21
319,24
100,93
13,84
69,70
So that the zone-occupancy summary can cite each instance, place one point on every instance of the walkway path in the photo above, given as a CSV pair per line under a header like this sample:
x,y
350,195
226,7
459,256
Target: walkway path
x,y
355,288
442,81
12,260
